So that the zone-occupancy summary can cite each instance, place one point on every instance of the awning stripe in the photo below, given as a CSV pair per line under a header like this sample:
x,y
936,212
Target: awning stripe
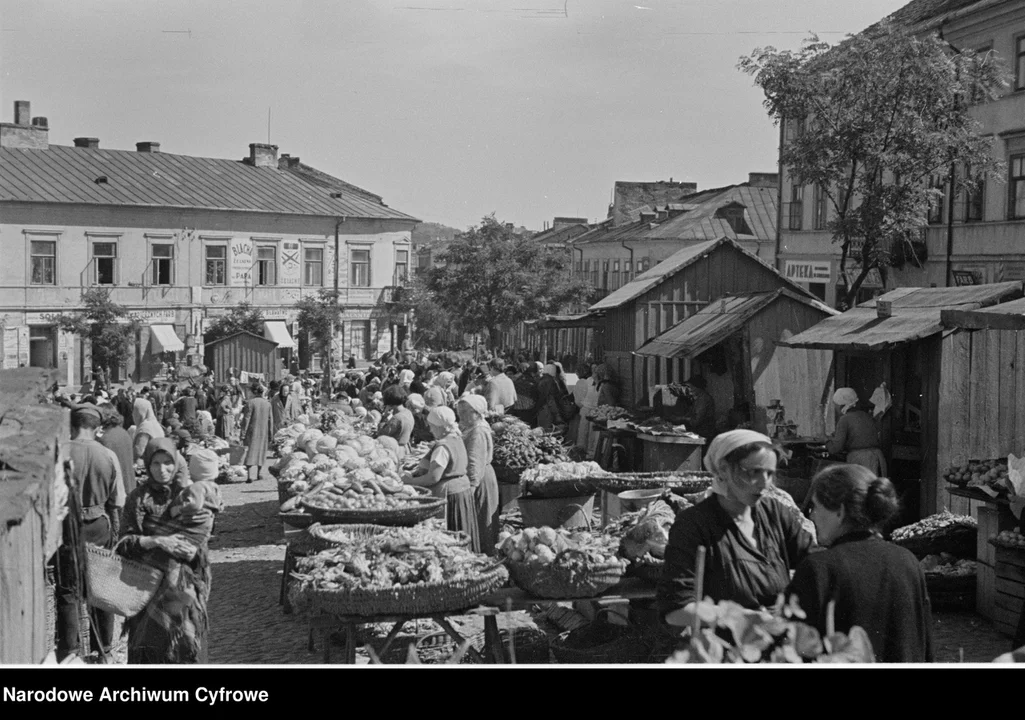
x,y
275,331
164,339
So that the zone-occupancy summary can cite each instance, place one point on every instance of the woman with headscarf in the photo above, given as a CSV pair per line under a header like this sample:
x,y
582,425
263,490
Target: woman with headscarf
x,y
440,393
549,399
147,427
480,448
752,541
399,420
586,398
224,426
443,470
168,529
603,384
417,406
857,436
284,407
406,377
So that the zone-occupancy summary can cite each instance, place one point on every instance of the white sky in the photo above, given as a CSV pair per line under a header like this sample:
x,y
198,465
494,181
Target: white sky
x,y
449,109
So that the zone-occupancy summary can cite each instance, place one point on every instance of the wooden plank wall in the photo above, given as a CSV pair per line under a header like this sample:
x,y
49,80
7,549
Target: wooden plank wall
x,y
23,603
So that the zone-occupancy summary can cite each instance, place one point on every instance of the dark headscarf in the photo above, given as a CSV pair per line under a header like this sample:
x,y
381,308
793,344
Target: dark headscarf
x,y
181,468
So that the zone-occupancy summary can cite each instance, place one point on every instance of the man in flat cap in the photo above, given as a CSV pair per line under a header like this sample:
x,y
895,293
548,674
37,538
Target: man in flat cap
x,y
94,474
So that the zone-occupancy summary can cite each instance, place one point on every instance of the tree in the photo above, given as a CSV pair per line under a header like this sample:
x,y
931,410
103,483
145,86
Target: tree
x,y
432,324
882,113
106,325
319,316
241,317
490,277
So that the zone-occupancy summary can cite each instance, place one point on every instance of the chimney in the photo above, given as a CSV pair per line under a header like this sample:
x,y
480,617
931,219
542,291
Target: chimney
x,y
86,142
648,216
661,215
40,122
763,180
22,115
287,162
261,155
147,147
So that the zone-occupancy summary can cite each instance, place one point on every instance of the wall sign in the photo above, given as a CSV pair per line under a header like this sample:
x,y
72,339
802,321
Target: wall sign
x,y
963,278
801,271
291,264
240,253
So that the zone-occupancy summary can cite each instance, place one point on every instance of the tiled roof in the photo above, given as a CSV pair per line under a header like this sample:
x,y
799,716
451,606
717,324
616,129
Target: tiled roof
x,y
561,234
919,12
68,175
700,222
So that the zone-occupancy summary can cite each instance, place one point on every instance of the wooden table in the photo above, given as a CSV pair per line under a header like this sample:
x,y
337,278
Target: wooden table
x,y
671,452
490,607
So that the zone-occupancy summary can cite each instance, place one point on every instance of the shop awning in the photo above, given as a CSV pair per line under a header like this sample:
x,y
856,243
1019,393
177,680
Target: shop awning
x,y
164,339
276,331
707,327
550,322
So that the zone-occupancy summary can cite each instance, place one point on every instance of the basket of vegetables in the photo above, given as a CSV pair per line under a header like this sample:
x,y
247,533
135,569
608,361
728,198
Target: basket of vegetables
x,y
560,480
420,535
559,565
517,447
943,532
680,482
416,507
385,574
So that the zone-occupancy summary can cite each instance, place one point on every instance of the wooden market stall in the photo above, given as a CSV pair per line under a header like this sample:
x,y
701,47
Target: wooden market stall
x,y
659,299
33,442
898,339
246,352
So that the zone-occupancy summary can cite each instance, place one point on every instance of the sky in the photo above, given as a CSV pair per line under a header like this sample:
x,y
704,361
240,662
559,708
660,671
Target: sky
x,y
449,109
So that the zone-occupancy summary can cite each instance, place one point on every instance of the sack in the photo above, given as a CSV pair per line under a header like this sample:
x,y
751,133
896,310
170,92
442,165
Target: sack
x,y
119,585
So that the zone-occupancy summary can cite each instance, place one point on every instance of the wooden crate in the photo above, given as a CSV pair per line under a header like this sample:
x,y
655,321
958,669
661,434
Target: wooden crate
x,y
1009,589
992,520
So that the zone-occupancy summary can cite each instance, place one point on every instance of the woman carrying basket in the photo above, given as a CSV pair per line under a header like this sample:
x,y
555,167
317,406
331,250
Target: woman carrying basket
x,y
168,527
752,541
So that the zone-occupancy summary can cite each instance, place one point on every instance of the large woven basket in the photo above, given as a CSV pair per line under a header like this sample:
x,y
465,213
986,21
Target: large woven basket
x,y
648,570
508,475
555,582
603,644
426,507
297,520
680,482
558,488
318,534
958,540
418,599
119,585
530,645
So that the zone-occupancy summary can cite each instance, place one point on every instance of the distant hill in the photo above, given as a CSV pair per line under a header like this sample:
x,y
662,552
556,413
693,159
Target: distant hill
x,y
433,235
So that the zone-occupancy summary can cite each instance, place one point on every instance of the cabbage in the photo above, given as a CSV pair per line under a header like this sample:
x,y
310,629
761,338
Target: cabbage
x,y
326,444
308,440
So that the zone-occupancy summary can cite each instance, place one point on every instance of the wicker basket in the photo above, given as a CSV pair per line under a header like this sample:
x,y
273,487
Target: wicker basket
x,y
531,646
298,520
418,599
425,508
119,585
283,493
555,582
558,488
648,570
678,482
508,475
958,540
317,534
601,643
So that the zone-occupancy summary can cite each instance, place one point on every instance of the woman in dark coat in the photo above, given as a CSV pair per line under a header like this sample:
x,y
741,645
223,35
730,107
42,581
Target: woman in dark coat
x,y
399,420
875,585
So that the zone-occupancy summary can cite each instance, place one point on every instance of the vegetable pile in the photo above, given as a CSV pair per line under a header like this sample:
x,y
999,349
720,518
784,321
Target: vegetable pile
x,y
550,546
607,412
519,446
560,479
933,525
233,474
427,533
1010,539
986,473
943,532
947,565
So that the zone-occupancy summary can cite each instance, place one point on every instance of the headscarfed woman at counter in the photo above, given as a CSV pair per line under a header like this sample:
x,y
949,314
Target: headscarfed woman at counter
x,y
752,541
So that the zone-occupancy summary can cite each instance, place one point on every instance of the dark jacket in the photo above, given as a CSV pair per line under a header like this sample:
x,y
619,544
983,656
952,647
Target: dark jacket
x,y
877,586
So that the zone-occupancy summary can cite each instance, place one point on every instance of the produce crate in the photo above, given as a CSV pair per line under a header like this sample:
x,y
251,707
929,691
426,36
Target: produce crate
x,y
1009,589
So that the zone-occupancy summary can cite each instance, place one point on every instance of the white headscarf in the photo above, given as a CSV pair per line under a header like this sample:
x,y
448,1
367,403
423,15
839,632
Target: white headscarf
x,y
406,377
550,370
722,446
846,398
443,417
145,419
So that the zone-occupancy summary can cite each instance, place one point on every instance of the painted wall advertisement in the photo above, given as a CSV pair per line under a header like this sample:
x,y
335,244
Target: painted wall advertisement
x,y
802,271
291,264
10,348
241,262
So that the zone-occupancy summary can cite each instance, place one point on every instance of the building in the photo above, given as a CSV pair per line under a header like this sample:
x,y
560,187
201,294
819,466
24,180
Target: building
x,y
979,241
630,198
611,254
181,240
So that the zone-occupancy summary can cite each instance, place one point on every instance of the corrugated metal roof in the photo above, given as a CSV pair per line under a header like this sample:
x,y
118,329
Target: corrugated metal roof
x,y
926,12
915,316
674,264
716,322
700,223
68,175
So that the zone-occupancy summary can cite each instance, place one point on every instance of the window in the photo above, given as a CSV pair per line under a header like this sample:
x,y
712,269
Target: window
x,y
401,266
163,262
821,208
266,265
936,182
216,264
627,270
359,268
1019,63
615,272
974,199
104,263
44,262
795,208
605,275
579,267
313,266
1016,203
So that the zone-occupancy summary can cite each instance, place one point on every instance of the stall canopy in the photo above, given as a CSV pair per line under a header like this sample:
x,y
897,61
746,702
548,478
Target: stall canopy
x,y
715,323
164,339
900,316
1006,316
550,322
276,331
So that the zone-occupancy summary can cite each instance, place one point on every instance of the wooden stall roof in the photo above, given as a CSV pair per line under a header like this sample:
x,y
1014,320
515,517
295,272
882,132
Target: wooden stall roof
x,y
238,336
676,263
915,314
550,322
1006,316
716,322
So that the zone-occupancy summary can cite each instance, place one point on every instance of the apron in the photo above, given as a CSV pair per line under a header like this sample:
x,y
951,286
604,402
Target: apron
x,y
871,458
